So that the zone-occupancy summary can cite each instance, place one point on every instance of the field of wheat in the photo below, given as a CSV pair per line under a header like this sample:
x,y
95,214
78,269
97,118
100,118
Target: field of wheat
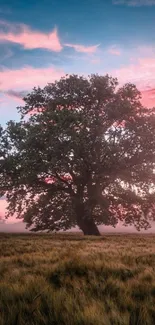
x,y
76,280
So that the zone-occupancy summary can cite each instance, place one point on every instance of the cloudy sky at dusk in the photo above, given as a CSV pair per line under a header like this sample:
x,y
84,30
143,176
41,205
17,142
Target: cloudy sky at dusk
x,y
40,41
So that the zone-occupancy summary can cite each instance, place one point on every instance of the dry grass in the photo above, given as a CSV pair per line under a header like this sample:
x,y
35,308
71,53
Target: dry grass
x,y
72,280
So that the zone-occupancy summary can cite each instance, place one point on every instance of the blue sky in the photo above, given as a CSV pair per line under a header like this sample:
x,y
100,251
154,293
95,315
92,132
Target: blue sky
x,y
122,31
40,41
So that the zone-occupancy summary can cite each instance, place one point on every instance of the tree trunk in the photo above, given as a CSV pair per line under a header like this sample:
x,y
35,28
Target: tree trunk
x,y
86,223
89,227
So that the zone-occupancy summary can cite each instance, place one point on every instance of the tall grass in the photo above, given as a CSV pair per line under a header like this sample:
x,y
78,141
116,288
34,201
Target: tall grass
x,y
76,280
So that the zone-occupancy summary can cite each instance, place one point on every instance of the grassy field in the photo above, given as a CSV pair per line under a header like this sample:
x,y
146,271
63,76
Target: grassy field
x,y
72,280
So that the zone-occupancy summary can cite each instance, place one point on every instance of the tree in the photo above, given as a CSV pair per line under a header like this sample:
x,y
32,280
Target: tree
x,y
82,154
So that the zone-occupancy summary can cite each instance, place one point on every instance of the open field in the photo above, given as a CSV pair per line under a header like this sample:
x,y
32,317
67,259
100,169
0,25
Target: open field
x,y
72,280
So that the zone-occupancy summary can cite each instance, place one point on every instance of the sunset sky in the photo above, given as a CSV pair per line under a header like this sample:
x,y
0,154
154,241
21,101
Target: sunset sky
x,y
40,41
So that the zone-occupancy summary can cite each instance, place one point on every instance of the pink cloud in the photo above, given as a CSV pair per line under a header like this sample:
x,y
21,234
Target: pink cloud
x,y
28,38
13,82
28,77
84,49
148,98
16,99
142,74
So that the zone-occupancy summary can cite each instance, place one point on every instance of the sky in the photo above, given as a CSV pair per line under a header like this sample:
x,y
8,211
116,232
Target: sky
x,y
40,41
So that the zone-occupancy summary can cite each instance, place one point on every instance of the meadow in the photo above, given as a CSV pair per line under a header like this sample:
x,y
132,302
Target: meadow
x,y
75,280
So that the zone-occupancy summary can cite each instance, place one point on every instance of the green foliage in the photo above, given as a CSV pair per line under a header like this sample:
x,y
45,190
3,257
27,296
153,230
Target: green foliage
x,y
82,154
72,280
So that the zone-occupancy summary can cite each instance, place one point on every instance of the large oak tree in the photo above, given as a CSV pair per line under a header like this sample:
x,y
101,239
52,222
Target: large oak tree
x,y
82,154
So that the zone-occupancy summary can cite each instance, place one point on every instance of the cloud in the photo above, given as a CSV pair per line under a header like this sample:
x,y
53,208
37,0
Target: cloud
x,y
114,51
14,84
142,74
27,77
82,48
29,39
148,98
134,3
16,94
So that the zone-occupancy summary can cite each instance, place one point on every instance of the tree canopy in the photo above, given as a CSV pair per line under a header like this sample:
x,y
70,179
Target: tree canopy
x,y
82,154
